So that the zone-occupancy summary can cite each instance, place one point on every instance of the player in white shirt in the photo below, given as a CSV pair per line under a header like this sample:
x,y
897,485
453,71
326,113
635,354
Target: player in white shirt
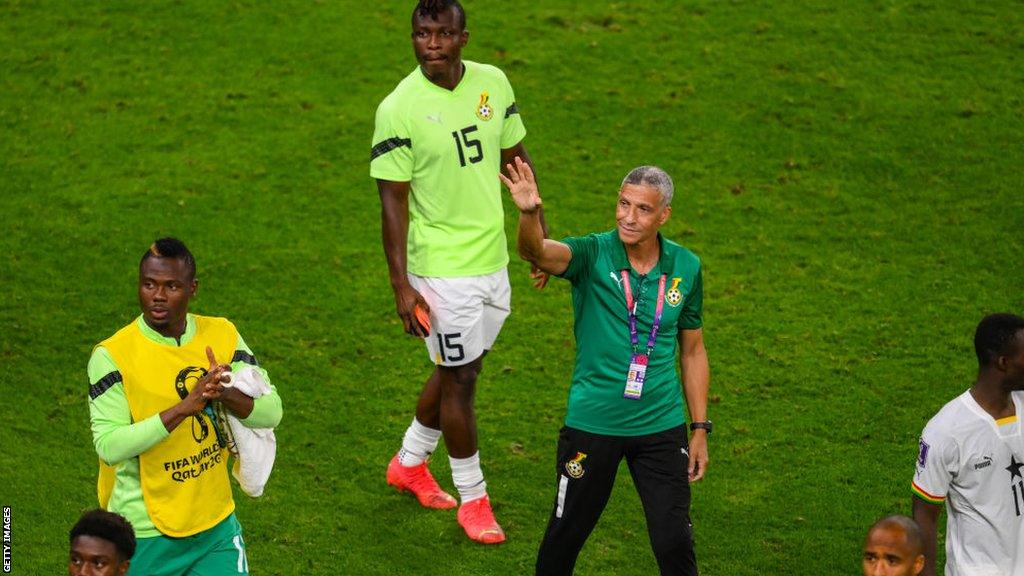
x,y
972,458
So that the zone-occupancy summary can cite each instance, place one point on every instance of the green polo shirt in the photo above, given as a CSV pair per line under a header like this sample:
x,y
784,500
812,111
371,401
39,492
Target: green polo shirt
x,y
603,348
447,144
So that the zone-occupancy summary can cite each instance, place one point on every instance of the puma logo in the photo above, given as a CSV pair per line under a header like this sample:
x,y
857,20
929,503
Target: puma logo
x,y
615,278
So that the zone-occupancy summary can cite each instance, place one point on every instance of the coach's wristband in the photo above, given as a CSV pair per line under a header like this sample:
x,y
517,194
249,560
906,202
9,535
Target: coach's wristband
x,y
701,426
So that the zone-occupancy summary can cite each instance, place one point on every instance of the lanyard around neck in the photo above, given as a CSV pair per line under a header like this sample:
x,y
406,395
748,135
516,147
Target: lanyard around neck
x,y
634,338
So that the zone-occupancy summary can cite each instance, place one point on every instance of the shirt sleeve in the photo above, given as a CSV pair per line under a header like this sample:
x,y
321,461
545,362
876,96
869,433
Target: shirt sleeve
x,y
512,128
937,463
692,315
114,435
391,155
266,410
584,253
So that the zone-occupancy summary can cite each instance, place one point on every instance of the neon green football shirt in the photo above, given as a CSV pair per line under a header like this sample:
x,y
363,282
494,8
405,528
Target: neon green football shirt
x,y
447,144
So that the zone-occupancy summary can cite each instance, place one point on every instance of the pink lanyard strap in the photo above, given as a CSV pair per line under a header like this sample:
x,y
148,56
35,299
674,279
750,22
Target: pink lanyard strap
x,y
634,338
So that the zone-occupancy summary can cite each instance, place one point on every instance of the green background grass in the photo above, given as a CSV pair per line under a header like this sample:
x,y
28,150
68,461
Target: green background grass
x,y
850,174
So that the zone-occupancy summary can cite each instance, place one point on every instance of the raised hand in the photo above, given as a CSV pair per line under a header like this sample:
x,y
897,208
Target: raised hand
x,y
522,186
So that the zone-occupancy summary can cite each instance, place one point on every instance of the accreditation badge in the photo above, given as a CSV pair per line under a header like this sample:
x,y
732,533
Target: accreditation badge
x,y
635,377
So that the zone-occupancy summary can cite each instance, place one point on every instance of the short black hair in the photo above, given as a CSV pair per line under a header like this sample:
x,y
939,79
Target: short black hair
x,y
171,248
994,334
109,526
433,8
913,532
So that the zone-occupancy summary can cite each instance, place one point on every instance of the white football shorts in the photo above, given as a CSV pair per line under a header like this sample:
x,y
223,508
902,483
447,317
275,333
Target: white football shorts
x,y
466,314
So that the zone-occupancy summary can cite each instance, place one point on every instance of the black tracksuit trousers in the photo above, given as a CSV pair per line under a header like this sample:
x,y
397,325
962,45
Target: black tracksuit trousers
x,y
586,468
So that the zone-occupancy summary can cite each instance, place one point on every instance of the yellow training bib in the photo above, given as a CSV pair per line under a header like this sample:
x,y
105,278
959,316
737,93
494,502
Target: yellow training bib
x,y
185,477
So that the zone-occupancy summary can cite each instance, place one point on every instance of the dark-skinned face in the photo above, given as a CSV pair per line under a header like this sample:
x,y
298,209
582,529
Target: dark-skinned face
x,y
92,556
1012,364
165,287
887,553
438,44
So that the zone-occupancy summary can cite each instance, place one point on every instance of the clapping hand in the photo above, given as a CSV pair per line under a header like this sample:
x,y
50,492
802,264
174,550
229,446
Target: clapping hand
x,y
216,377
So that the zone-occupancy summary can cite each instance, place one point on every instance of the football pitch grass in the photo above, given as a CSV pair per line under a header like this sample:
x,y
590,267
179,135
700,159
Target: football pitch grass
x,y
850,174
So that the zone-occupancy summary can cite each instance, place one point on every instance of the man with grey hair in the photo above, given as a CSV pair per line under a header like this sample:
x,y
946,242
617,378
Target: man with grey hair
x,y
637,297
653,177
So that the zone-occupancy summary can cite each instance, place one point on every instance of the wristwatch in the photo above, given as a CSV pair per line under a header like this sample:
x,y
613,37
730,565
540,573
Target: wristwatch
x,y
706,425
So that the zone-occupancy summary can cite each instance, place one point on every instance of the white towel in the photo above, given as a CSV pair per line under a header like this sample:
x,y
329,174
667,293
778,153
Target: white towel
x,y
254,449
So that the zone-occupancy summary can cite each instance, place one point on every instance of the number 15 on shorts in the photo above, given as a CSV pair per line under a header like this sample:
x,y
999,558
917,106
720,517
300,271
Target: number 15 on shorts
x,y
448,348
